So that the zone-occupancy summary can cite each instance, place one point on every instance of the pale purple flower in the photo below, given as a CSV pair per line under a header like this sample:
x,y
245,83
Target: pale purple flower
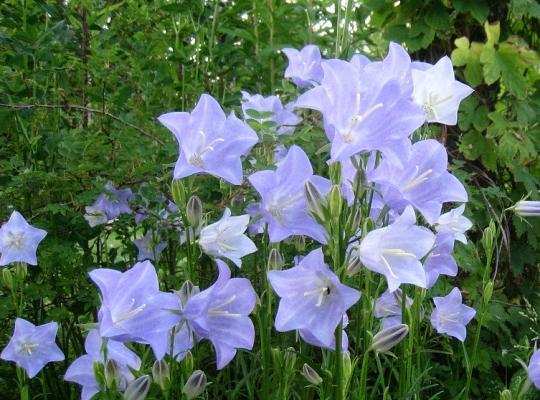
x,y
109,205
149,246
423,182
282,205
95,215
310,338
81,370
450,316
365,107
534,369
437,91
19,240
133,308
257,223
440,261
455,223
226,238
32,347
395,251
221,314
388,307
209,141
304,66
313,299
527,208
284,118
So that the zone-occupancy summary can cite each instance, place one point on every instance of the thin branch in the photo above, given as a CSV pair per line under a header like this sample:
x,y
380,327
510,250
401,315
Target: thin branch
x,y
83,109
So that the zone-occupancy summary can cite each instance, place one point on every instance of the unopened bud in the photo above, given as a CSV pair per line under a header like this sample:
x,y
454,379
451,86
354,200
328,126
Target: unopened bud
x,y
505,395
311,375
354,264
355,219
195,384
194,211
7,278
178,193
335,201
161,373
138,389
335,173
275,259
187,290
99,373
389,337
21,271
290,358
488,237
299,243
112,374
488,292
315,201
188,361
527,208
347,365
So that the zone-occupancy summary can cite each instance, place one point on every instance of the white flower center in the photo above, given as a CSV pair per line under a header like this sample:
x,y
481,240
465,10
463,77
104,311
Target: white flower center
x,y
416,179
217,311
196,159
28,347
432,102
395,253
449,319
130,314
15,240
276,209
358,119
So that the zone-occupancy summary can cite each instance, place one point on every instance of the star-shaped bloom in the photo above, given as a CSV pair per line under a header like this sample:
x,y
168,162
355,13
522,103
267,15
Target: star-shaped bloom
x,y
450,316
388,308
221,314
366,107
19,240
304,66
437,91
32,347
395,251
534,369
440,261
455,223
284,118
226,238
81,370
149,246
313,299
209,141
109,205
423,182
283,206
133,308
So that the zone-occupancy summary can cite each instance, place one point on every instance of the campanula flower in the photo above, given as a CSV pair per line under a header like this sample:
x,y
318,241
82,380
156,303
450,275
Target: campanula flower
x,y
388,307
226,238
304,66
221,314
395,251
455,223
440,261
527,208
422,182
283,206
437,91
81,370
133,308
149,246
209,141
450,316
364,109
534,369
32,347
313,299
283,117
19,240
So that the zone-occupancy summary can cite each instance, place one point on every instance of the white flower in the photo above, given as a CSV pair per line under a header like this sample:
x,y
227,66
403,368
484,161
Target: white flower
x,y
455,223
437,91
226,238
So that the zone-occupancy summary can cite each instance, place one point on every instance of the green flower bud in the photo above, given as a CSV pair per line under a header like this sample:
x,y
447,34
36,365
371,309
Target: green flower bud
x,y
488,292
194,211
275,259
195,385
188,361
138,389
299,243
354,265
505,395
389,337
21,271
311,375
7,278
112,374
335,202
178,193
161,373
335,173
187,290
290,358
315,202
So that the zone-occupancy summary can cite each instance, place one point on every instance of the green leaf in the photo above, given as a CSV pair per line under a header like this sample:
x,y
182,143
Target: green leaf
x,y
493,32
479,9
